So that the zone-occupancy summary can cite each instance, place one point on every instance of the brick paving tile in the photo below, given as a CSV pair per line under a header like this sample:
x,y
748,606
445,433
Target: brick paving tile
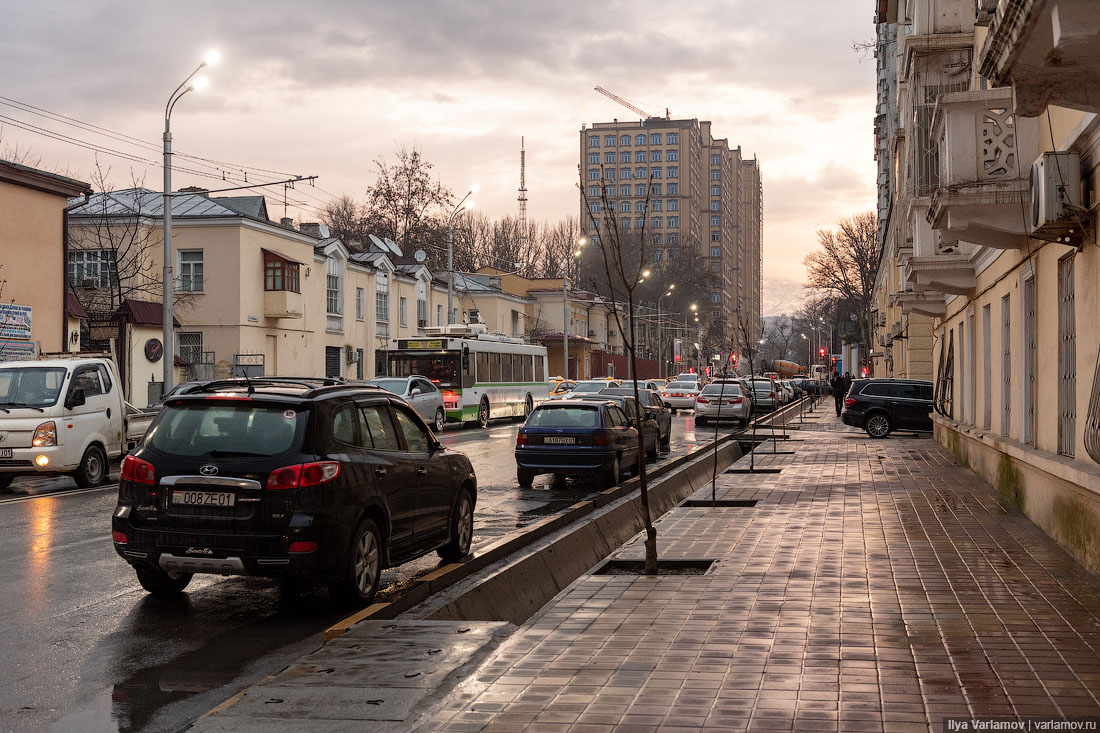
x,y
876,585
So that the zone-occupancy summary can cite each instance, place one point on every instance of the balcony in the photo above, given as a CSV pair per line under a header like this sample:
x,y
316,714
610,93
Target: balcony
x,y
1048,50
984,159
282,304
928,304
943,273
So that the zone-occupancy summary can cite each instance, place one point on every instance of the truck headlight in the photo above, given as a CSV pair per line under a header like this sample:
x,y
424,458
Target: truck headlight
x,y
45,434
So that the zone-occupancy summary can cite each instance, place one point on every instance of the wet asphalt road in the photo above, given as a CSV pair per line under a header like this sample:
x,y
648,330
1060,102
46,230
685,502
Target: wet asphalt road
x,y
87,649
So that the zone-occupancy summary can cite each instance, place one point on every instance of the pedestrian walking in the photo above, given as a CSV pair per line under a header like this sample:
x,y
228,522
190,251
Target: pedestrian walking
x,y
839,390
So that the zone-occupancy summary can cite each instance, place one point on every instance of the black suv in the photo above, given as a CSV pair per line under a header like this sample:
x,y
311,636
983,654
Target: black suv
x,y
293,478
881,406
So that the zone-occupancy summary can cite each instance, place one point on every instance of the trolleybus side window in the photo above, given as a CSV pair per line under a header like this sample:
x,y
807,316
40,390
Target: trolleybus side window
x,y
506,367
483,367
540,366
494,367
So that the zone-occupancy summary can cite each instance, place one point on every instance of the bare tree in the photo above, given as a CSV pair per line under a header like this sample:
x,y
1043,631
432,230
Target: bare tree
x,y
346,219
622,254
845,265
406,203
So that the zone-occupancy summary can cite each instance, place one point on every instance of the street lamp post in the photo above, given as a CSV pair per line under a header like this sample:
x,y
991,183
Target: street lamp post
x,y
565,309
463,204
167,335
660,343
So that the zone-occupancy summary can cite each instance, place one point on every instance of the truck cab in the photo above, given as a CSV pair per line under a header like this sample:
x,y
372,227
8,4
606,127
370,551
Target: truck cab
x,y
64,417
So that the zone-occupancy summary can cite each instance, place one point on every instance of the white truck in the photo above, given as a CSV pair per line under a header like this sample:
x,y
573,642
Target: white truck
x,y
65,416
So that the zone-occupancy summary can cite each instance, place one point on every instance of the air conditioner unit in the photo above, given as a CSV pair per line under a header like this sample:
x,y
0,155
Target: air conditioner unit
x,y
351,354
591,333
1056,211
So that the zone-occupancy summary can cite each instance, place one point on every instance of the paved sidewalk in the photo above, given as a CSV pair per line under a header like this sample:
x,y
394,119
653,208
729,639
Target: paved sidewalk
x,y
876,585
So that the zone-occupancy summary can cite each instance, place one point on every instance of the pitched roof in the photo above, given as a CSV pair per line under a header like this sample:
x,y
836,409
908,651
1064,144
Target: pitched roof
x,y
145,313
73,306
23,175
251,206
185,205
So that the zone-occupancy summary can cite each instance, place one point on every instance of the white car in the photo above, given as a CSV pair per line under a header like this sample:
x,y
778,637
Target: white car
x,y
680,395
589,387
723,401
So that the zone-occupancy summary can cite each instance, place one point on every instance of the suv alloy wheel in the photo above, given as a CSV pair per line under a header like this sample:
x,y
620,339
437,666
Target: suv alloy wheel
x,y
878,425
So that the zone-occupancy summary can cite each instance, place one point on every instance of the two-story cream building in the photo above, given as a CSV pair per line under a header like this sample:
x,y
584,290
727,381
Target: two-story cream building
x,y
990,264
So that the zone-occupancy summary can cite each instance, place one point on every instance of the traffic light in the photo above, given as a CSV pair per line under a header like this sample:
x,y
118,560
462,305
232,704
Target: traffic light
x,y
733,358
821,351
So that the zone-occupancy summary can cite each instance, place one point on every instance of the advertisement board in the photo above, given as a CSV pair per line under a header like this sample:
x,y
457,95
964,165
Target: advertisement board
x,y
676,355
15,321
16,350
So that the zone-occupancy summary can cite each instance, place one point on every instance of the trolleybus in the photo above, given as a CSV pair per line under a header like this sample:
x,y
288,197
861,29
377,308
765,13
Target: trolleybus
x,y
482,376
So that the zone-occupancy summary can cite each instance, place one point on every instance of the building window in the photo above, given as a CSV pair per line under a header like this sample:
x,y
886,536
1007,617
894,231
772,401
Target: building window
x,y
609,140
639,140
673,222
92,268
655,139
639,173
672,205
639,222
716,221
624,157
639,206
671,252
715,190
593,191
715,205
333,288
610,205
655,189
658,222
655,156
624,206
624,190
672,239
190,347
624,174
624,140
715,160
609,158
672,155
594,208
280,273
715,251
656,205
359,356
1067,358
655,173
716,236
421,304
439,315
715,266
639,189
403,310
715,297
593,141
639,156
716,175
190,264
593,158
673,189
672,138
673,171
609,190
593,174
987,368
657,252
626,222
610,174
1006,365
333,359
359,305
382,297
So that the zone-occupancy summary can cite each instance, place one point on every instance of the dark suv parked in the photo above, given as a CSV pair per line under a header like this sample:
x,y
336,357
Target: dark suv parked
x,y
881,406
290,478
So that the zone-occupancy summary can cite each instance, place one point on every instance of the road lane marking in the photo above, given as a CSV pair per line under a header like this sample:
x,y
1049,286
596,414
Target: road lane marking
x,y
54,494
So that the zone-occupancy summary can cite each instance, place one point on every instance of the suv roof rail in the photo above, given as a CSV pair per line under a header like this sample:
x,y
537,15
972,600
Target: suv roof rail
x,y
325,388
251,382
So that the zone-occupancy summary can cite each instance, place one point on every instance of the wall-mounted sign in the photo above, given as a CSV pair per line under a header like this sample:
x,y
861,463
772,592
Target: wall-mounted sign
x,y
248,359
15,321
16,350
154,350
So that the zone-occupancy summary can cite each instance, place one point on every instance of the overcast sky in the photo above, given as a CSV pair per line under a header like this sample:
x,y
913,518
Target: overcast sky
x,y
325,87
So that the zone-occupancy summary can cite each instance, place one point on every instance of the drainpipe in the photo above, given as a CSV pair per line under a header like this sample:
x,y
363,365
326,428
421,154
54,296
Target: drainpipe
x,y
65,268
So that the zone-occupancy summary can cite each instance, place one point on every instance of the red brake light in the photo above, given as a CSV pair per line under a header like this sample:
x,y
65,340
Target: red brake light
x,y
302,547
314,474
138,471
700,399
285,478
736,401
521,439
228,397
602,439
849,401
119,537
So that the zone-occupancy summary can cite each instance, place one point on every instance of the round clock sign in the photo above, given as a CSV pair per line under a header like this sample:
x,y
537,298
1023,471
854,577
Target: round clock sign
x,y
154,350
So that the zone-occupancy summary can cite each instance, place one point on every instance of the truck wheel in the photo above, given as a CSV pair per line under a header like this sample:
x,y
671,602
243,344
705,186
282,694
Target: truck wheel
x,y
161,583
92,471
5,480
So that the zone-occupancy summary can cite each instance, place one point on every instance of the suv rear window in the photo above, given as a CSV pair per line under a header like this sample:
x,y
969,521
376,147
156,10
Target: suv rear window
x,y
572,416
240,428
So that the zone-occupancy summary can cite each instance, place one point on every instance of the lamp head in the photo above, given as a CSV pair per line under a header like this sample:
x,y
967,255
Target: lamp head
x,y
582,241
213,56
199,83
468,205
645,273
475,188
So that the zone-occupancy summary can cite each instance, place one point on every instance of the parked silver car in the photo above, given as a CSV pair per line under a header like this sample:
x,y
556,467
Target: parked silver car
x,y
419,392
680,395
722,402
765,394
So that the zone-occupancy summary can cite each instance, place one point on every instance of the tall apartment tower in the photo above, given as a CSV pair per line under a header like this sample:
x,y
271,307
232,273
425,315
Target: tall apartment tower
x,y
704,203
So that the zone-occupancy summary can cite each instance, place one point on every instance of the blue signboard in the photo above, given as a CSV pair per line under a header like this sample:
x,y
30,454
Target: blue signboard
x,y
15,321
16,350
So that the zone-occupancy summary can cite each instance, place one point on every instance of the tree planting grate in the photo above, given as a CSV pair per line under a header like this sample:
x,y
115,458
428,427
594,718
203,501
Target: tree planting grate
x,y
664,567
758,469
708,504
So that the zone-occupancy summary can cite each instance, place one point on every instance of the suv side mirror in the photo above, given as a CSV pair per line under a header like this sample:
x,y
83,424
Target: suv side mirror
x,y
415,392
76,398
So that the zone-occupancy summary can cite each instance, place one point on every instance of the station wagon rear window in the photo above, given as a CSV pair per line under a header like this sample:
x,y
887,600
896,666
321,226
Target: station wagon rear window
x,y
229,429
571,416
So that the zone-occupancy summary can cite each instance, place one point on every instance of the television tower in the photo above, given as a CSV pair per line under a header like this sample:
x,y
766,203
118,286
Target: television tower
x,y
522,193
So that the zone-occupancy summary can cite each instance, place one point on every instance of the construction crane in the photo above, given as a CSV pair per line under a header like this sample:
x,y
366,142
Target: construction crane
x,y
638,110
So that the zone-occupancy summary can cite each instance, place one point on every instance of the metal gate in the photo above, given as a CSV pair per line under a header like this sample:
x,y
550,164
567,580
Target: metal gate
x,y
1067,359
1029,360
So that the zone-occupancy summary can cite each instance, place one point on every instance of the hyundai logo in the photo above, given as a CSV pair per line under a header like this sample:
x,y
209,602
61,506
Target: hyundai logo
x,y
3,437
208,470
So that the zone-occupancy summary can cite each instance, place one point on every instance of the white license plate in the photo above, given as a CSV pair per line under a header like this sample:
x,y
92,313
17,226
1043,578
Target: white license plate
x,y
204,498
5,452
559,440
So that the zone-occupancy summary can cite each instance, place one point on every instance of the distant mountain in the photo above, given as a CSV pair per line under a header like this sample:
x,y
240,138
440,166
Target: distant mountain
x,y
782,296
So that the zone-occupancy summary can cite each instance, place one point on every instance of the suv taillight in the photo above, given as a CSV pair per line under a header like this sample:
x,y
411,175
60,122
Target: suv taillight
x,y
302,475
849,401
602,439
138,471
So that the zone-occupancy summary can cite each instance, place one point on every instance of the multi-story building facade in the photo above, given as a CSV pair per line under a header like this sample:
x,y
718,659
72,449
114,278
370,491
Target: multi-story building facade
x,y
990,261
695,196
